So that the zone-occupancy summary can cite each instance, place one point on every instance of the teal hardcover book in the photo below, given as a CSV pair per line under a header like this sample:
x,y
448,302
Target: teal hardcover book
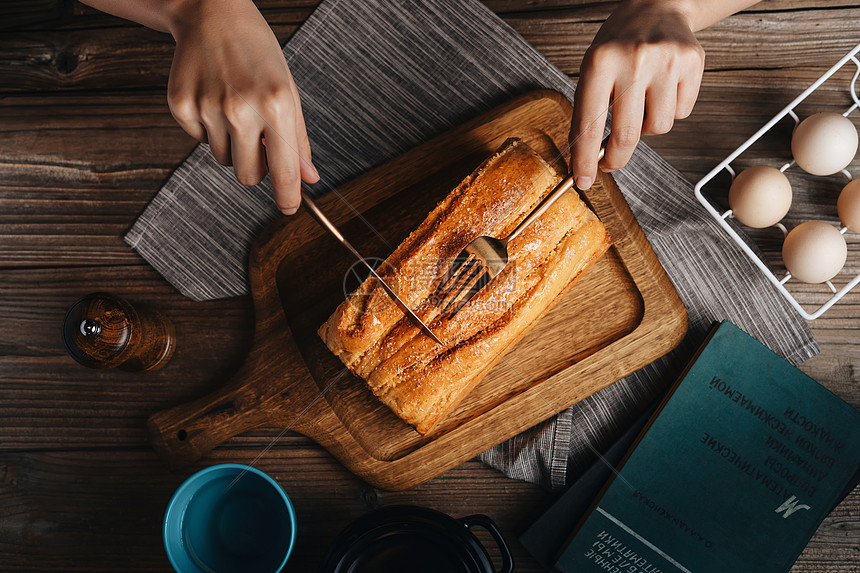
x,y
735,472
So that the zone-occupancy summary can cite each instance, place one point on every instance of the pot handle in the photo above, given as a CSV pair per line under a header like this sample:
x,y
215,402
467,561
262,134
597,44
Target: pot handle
x,y
492,528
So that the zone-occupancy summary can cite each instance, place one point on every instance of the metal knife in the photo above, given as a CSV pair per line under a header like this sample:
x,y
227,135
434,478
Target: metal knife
x,y
329,226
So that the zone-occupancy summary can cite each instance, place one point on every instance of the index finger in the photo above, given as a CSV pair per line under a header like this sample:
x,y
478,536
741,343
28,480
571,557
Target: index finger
x,y
284,163
590,108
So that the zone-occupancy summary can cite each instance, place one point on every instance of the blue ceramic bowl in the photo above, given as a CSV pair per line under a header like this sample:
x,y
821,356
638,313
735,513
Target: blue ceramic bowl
x,y
229,518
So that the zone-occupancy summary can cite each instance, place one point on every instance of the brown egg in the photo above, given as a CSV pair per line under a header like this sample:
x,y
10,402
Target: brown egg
x,y
814,252
848,206
824,143
760,196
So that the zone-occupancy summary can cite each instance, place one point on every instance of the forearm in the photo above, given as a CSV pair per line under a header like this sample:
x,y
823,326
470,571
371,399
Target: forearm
x,y
169,15
701,13
155,14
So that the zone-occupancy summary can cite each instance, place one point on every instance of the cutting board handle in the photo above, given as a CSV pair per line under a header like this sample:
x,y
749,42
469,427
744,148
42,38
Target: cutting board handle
x,y
263,392
185,433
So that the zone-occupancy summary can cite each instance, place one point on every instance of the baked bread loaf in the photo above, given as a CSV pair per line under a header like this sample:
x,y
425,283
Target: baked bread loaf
x,y
420,380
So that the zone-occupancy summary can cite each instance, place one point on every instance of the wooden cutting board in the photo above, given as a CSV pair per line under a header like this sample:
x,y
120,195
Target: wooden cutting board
x,y
623,314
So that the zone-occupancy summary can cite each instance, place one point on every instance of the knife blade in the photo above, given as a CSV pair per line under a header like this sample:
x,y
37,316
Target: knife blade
x,y
329,226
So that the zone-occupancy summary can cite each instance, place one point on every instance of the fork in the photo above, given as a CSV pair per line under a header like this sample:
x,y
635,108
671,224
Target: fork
x,y
485,257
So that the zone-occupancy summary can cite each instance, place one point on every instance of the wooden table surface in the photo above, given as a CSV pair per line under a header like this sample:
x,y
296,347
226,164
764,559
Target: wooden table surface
x,y
86,140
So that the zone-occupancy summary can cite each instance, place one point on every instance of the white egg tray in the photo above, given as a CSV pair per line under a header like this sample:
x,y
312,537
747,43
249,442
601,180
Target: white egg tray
x,y
722,216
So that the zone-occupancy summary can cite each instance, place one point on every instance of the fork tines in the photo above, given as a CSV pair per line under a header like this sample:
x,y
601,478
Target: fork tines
x,y
465,277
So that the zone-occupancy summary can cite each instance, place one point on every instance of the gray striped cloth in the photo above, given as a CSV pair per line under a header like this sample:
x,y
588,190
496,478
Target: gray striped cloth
x,y
379,77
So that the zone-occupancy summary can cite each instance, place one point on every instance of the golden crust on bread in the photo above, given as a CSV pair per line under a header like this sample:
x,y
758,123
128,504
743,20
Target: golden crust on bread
x,y
420,380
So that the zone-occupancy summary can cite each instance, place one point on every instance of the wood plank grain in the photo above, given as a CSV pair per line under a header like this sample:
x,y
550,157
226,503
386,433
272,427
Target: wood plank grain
x,y
136,58
63,14
535,6
106,182
104,141
692,147
53,15
745,41
19,13
71,182
42,136
102,510
81,59
133,58
43,389
77,170
834,548
96,510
